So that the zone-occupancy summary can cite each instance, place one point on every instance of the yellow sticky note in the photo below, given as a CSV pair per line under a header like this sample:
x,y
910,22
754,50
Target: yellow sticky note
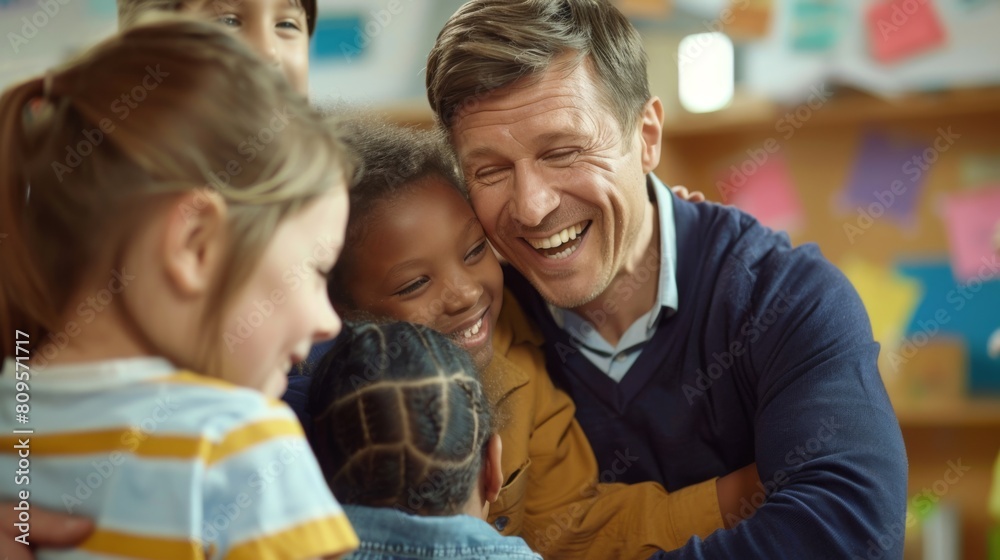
x,y
995,493
889,297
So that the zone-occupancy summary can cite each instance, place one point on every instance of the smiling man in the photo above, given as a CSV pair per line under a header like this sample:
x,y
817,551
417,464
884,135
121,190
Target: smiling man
x,y
687,334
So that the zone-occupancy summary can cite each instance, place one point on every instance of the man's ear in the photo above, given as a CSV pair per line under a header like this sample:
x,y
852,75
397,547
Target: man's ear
x,y
651,134
492,472
193,241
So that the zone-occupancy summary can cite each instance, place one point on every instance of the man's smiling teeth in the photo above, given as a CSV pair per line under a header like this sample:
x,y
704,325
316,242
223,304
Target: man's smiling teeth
x,y
558,239
472,331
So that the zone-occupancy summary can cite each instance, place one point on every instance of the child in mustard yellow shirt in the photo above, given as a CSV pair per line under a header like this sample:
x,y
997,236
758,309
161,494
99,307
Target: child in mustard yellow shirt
x,y
416,252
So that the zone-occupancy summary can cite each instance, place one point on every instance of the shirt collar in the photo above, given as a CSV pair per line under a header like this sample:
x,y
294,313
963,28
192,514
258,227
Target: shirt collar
x,y
666,295
666,292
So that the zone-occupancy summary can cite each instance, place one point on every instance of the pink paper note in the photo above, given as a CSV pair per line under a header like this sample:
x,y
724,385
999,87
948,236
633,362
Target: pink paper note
x,y
902,28
971,219
768,194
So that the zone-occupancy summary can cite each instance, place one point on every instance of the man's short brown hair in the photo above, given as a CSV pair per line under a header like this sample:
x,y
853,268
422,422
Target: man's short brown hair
x,y
129,11
489,44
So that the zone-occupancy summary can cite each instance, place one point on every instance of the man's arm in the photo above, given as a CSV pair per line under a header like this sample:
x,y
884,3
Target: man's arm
x,y
828,445
569,513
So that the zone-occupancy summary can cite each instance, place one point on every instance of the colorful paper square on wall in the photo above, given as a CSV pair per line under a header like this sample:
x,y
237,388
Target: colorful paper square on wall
x,y
764,190
898,29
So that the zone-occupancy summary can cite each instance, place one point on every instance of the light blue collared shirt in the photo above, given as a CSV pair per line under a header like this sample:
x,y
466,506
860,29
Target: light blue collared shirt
x,y
616,360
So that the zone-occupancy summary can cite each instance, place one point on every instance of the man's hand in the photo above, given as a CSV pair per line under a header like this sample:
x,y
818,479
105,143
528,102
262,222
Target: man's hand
x,y
682,192
47,529
736,491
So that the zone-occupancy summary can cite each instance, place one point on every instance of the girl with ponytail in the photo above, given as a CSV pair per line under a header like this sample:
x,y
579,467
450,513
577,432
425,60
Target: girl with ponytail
x,y
157,284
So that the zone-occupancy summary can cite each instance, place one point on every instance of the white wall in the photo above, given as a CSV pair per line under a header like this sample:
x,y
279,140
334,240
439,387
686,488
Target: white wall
x,y
389,70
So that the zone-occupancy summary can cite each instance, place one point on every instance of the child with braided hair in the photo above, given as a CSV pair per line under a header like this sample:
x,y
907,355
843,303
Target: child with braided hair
x,y
403,432
415,251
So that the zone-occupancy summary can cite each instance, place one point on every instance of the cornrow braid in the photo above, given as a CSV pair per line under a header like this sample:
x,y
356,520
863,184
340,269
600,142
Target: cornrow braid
x,y
400,419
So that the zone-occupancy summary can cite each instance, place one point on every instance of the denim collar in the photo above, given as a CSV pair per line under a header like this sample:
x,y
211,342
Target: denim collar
x,y
385,532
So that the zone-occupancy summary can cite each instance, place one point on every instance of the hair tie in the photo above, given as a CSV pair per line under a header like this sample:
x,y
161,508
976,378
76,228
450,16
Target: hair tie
x,y
42,107
47,85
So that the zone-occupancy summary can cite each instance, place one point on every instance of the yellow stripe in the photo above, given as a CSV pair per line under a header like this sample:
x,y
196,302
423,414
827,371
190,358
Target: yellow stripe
x,y
254,434
315,539
108,542
131,441
123,440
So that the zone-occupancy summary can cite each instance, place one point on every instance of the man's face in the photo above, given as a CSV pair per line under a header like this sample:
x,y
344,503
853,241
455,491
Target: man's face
x,y
276,29
560,190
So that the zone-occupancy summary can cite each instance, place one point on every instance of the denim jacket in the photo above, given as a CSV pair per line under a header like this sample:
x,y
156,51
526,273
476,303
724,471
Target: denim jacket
x,y
387,533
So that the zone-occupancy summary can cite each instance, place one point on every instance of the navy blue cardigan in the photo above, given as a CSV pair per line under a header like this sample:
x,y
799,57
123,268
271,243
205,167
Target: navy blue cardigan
x,y
769,358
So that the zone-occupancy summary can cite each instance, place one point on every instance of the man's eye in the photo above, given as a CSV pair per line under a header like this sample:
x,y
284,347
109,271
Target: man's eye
x,y
490,176
562,155
229,21
289,25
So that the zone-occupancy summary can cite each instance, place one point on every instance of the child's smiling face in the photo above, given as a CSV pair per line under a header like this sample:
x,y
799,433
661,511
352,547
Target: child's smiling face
x,y
276,29
423,257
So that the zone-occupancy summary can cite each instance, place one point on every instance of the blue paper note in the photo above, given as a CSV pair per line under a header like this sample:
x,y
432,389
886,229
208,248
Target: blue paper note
x,y
888,177
815,25
970,311
340,38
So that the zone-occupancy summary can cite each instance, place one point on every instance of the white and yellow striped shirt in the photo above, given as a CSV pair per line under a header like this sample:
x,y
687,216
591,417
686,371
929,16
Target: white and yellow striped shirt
x,y
168,464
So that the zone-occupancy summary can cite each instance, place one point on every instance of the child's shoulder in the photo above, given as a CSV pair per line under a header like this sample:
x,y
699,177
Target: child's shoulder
x,y
514,327
215,407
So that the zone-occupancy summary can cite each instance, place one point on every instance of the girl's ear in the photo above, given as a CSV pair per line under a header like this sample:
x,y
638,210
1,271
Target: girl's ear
x,y
193,241
492,477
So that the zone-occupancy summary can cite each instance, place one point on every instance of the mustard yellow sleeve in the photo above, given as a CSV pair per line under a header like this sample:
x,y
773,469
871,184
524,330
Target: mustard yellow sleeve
x,y
568,514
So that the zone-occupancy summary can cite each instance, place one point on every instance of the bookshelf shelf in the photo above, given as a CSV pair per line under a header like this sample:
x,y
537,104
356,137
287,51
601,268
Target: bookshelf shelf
x,y
845,108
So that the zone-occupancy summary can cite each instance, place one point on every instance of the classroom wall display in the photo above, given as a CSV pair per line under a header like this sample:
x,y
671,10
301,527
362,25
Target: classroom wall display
x,y
888,47
906,207
363,52
38,35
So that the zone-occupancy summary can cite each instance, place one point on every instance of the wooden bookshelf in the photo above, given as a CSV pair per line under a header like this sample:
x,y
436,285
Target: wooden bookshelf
x,y
969,412
845,108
